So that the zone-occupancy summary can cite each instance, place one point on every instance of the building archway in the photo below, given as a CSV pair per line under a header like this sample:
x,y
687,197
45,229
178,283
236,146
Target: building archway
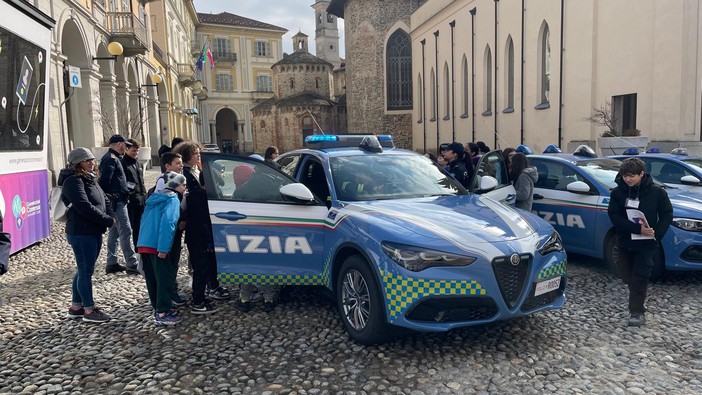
x,y
73,47
227,130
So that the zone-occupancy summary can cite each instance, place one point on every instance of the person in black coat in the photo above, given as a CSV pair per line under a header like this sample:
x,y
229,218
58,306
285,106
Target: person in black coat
x,y
135,184
88,217
457,166
638,238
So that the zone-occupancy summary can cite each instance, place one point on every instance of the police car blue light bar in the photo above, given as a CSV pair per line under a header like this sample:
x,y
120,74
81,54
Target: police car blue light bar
x,y
631,151
679,151
653,150
524,149
552,149
322,141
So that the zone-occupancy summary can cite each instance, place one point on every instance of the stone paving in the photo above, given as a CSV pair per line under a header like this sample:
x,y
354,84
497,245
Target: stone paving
x,y
301,347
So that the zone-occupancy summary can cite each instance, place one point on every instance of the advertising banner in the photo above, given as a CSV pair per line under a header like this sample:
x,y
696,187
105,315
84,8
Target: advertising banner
x,y
24,203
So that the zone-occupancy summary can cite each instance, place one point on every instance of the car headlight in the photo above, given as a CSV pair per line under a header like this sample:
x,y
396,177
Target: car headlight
x,y
553,244
417,259
692,225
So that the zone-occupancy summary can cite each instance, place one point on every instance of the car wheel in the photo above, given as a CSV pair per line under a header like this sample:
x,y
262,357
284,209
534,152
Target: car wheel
x,y
611,254
360,303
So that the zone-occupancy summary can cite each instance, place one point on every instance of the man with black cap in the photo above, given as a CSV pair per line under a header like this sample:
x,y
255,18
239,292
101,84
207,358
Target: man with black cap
x,y
453,154
113,182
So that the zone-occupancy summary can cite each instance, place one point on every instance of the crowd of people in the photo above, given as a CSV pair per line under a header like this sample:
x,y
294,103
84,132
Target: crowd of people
x,y
148,226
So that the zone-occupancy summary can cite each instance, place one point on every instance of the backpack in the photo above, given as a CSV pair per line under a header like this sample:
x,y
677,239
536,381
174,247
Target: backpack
x,y
56,205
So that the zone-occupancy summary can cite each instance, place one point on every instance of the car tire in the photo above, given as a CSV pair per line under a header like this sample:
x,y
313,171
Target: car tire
x,y
360,302
611,257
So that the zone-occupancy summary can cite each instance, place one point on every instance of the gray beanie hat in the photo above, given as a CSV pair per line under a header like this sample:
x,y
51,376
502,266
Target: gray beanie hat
x,y
173,179
78,155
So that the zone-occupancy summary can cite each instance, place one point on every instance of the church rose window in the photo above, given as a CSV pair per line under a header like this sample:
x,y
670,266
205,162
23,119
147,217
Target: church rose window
x,y
399,71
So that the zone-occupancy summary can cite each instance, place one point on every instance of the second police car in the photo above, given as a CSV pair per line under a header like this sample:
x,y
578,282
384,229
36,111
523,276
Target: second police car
x,y
572,194
676,169
389,233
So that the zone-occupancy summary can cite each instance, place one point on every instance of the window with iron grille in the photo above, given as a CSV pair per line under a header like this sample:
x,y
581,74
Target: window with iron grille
x,y
262,48
225,83
263,83
399,71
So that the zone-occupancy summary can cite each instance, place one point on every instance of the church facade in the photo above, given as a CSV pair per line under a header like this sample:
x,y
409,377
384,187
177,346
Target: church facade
x,y
304,101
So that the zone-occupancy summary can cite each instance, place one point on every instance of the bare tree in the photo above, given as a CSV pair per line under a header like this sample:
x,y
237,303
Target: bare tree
x,y
604,116
115,115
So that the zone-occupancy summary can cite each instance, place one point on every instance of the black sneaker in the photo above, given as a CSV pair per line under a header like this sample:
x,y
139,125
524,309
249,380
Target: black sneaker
x,y
268,306
203,308
244,307
637,319
132,270
75,313
96,316
178,301
219,293
110,269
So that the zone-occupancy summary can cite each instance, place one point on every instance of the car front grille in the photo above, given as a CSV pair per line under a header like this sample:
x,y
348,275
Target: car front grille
x,y
453,309
511,276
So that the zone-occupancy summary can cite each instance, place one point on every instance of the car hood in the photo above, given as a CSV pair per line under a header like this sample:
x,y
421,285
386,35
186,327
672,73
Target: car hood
x,y
686,203
463,220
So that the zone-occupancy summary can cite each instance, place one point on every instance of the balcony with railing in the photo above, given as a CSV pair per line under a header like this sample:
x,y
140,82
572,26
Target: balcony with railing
x,y
128,30
224,57
186,74
257,96
158,51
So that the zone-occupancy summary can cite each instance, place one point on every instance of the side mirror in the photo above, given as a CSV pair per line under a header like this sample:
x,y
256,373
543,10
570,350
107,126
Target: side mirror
x,y
488,183
690,180
578,187
297,191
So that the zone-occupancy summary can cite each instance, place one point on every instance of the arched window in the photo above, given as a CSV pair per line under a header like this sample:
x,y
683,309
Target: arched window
x,y
544,77
447,92
292,83
432,90
464,86
420,96
509,75
399,71
488,81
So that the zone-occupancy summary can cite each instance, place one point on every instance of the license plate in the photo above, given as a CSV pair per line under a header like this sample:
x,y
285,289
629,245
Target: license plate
x,y
547,286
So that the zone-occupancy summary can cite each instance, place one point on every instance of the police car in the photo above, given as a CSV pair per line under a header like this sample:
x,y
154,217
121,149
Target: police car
x,y
572,194
677,169
395,239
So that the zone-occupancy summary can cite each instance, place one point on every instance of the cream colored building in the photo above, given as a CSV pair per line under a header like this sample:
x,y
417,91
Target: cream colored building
x,y
114,97
173,30
244,51
510,72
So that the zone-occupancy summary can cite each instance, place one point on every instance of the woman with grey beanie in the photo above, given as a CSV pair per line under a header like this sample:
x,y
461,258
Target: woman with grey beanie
x,y
88,217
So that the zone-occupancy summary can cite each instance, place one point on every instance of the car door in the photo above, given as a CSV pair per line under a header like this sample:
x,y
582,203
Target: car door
x,y
492,164
259,234
574,215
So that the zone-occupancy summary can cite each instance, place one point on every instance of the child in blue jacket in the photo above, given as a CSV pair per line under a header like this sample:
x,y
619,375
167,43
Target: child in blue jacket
x,y
158,226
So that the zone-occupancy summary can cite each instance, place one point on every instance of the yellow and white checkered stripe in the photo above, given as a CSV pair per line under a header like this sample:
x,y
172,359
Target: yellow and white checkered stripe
x,y
557,269
278,279
401,292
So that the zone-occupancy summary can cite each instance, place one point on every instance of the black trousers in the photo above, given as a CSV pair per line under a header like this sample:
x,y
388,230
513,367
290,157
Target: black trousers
x,y
203,270
635,269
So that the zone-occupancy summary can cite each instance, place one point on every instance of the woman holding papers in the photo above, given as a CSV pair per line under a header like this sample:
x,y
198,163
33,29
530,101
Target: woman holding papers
x,y
641,212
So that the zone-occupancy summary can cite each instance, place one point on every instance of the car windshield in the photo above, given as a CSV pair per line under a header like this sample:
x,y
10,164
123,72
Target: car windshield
x,y
381,177
605,171
695,163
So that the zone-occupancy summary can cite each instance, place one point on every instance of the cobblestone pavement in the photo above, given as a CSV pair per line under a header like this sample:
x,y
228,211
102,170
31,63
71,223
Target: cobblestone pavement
x,y
301,348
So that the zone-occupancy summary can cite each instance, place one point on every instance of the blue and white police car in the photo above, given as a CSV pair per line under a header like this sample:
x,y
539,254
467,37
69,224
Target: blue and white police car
x,y
677,169
395,239
572,194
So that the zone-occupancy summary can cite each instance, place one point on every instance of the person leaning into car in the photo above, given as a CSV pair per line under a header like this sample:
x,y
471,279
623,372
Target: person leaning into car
x,y
638,240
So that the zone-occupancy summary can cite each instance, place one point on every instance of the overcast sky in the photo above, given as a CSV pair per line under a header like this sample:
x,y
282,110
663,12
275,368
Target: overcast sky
x,y
293,15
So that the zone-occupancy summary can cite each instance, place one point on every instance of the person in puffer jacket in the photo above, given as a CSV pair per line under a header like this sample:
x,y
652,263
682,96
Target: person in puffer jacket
x,y
636,193
523,177
88,217
158,226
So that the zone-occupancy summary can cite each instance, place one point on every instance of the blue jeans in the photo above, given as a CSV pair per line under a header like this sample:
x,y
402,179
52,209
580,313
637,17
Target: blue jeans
x,y
86,249
122,230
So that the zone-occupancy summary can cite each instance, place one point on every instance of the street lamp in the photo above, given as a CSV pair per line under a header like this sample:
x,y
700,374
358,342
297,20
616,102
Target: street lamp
x,y
156,79
114,48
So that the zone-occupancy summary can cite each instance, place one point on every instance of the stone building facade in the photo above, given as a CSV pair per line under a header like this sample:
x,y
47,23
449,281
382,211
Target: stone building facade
x,y
378,81
303,103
